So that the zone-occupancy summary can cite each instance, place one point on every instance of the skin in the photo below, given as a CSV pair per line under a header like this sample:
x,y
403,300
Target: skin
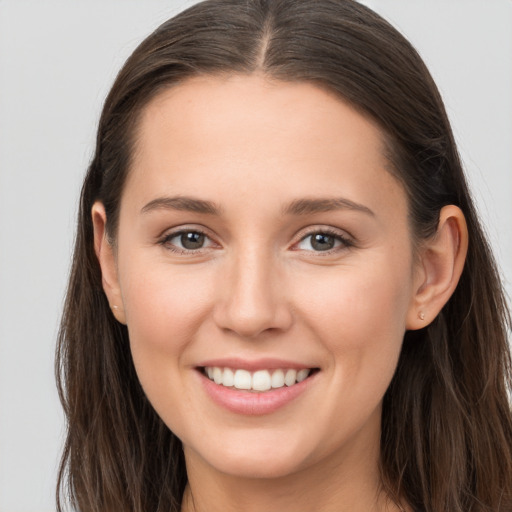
x,y
258,288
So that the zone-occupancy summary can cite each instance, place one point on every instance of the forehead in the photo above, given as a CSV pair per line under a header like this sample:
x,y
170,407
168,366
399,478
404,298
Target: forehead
x,y
254,106
251,133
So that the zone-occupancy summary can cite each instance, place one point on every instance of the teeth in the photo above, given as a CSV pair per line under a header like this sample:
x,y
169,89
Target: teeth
x,y
290,377
228,377
243,379
302,374
217,375
261,380
278,379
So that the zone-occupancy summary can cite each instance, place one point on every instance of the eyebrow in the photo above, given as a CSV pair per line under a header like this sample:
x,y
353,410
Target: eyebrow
x,y
318,205
303,206
182,203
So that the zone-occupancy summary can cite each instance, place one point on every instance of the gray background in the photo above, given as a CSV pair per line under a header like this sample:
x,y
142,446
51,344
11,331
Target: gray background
x,y
57,61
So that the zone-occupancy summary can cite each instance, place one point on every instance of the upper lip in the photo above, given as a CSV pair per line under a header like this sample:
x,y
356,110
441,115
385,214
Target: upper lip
x,y
254,364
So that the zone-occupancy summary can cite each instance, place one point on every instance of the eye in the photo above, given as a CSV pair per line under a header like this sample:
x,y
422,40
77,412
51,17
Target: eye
x,y
322,241
187,240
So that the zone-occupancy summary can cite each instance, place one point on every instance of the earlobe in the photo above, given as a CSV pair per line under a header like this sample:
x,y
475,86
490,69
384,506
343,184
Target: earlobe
x,y
106,258
441,262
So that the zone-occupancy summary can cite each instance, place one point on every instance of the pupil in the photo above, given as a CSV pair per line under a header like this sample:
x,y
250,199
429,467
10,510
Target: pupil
x,y
322,242
192,240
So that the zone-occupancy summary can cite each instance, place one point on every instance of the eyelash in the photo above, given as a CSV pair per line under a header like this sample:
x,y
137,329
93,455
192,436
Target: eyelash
x,y
345,242
165,241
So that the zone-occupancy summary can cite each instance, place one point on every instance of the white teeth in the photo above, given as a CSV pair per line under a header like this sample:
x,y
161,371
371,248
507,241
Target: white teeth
x,y
243,380
229,377
278,379
217,375
290,378
261,380
302,374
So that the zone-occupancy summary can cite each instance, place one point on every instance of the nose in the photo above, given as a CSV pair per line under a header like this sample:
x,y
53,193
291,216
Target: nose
x,y
252,297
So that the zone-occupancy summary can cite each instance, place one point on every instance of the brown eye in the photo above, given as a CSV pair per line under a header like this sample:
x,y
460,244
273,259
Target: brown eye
x,y
322,241
191,240
186,241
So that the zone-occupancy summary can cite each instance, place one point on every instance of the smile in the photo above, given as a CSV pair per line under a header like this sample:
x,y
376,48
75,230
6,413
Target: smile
x,y
259,381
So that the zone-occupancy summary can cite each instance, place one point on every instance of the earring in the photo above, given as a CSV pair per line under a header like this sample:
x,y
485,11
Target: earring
x,y
114,307
421,315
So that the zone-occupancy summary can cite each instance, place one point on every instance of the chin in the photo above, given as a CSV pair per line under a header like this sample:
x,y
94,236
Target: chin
x,y
252,468
257,462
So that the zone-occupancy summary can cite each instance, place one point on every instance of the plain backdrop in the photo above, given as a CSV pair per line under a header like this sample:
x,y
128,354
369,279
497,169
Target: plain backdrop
x,y
57,61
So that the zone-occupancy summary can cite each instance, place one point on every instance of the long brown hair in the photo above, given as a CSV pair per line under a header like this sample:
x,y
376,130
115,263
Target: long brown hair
x,y
446,422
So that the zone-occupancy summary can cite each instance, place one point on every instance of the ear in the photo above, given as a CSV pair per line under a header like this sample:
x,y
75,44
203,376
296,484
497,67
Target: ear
x,y
441,261
106,257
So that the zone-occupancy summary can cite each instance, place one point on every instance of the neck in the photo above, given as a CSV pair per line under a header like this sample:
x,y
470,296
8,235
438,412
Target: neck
x,y
352,485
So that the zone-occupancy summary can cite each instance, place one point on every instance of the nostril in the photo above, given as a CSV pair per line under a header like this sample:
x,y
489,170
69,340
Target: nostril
x,y
252,325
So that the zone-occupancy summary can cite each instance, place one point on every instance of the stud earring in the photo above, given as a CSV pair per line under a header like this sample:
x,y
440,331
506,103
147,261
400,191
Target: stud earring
x,y
421,315
114,307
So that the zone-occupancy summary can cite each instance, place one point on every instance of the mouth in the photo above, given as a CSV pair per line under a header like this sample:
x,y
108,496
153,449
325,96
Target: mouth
x,y
259,381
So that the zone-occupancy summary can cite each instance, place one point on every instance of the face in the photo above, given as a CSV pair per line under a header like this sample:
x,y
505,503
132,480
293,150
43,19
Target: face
x,y
263,242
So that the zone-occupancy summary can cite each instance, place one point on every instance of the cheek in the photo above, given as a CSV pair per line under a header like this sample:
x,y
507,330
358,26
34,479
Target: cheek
x,y
358,303
164,307
360,318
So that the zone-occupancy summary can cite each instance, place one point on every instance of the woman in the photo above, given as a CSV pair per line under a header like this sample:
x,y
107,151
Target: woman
x,y
281,297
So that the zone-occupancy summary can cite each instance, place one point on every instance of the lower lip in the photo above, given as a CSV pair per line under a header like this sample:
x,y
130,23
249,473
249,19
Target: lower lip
x,y
254,403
